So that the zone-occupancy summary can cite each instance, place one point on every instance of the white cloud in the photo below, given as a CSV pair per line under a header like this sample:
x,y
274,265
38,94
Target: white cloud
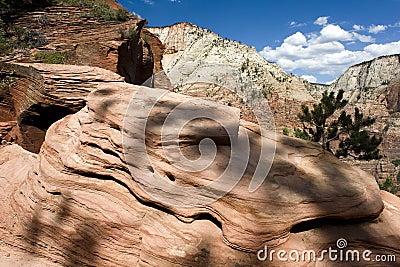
x,y
358,27
333,33
296,39
322,21
363,38
325,53
295,24
377,28
150,2
377,50
310,78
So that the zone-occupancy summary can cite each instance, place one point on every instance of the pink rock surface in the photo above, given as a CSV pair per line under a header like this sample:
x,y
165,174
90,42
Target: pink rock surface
x,y
77,203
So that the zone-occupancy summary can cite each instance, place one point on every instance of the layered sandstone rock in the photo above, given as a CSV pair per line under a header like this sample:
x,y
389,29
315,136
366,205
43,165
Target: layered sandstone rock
x,y
370,74
86,40
77,202
44,94
393,96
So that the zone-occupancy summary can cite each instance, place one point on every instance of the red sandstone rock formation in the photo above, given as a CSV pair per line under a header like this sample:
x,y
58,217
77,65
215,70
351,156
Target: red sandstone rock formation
x,y
87,41
77,203
44,94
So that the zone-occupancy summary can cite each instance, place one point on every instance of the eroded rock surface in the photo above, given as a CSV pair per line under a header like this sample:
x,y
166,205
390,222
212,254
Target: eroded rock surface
x,y
76,202
85,40
43,94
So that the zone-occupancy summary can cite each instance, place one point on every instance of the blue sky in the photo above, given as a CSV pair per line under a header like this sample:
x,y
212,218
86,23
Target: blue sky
x,y
318,40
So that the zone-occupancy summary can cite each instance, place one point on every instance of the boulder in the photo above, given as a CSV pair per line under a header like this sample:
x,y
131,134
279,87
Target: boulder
x,y
88,199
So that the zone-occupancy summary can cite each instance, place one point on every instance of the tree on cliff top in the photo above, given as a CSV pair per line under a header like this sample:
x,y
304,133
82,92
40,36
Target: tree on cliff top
x,y
354,140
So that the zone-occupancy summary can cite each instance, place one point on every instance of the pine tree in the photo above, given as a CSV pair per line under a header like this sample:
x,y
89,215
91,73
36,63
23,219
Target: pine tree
x,y
320,126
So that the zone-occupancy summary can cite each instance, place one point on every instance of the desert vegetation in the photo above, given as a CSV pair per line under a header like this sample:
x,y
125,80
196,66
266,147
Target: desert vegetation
x,y
14,37
98,9
389,185
51,58
349,130
7,79
128,34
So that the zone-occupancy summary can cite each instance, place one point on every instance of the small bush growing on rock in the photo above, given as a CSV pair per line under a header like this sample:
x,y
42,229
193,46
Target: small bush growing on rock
x,y
129,34
396,162
122,14
13,37
33,38
145,38
99,10
389,186
285,131
51,58
81,3
43,20
103,11
7,79
4,40
301,134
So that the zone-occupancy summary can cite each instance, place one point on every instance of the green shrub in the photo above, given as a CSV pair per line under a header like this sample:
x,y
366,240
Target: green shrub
x,y
53,58
14,37
103,11
285,131
5,43
298,133
81,3
389,186
396,162
31,38
99,10
130,34
122,14
7,79
145,38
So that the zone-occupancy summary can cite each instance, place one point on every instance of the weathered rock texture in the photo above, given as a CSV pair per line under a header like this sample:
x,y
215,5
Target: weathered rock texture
x,y
87,41
393,96
369,75
44,94
76,203
42,97
195,55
